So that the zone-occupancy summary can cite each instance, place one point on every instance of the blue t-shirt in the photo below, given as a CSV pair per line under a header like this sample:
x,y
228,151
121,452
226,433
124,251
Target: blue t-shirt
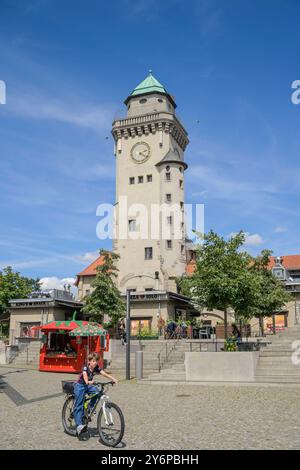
x,y
90,374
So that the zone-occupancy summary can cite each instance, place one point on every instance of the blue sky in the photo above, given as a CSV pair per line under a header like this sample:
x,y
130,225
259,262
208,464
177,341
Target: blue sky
x,y
68,66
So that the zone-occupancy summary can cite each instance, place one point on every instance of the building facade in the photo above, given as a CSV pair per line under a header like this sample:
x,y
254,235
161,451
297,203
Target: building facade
x,y
39,308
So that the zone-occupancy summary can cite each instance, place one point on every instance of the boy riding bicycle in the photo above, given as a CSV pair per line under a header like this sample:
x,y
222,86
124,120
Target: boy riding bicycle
x,y
85,385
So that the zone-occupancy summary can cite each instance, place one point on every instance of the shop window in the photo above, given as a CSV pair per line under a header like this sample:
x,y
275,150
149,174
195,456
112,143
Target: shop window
x,y
28,330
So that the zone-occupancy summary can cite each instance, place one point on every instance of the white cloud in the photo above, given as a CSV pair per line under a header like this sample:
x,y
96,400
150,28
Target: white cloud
x,y
250,240
88,257
54,282
33,106
280,229
253,240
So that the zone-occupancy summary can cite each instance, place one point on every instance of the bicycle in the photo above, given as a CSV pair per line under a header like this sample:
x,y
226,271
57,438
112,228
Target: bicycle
x,y
110,421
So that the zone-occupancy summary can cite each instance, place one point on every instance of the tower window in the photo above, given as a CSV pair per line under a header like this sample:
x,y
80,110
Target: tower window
x,y
160,100
168,176
149,178
169,244
180,169
148,252
169,220
181,205
182,248
131,180
132,225
168,197
181,183
143,101
141,179
168,168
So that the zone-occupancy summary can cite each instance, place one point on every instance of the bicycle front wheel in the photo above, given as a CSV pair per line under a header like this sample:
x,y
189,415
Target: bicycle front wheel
x,y
68,417
111,424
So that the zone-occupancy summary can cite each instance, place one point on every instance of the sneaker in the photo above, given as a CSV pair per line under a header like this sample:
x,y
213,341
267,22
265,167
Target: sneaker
x,y
80,428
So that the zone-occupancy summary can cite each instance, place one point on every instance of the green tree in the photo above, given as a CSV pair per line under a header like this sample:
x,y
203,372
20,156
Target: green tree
x,y
221,279
14,286
270,295
105,297
227,277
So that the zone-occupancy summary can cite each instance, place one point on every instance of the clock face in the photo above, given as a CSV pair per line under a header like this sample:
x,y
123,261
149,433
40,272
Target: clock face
x,y
140,152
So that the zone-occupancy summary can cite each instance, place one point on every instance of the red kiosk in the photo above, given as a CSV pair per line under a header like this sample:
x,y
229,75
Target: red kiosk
x,y
63,352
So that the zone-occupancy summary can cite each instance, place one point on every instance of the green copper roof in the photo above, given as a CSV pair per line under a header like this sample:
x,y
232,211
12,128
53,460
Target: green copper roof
x,y
149,85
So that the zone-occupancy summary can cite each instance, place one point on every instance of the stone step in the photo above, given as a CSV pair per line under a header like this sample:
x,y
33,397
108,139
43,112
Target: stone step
x,y
274,354
24,363
278,371
35,356
269,360
287,379
178,366
281,347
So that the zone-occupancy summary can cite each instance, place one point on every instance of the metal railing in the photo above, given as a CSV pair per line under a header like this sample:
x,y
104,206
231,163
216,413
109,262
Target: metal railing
x,y
167,348
200,345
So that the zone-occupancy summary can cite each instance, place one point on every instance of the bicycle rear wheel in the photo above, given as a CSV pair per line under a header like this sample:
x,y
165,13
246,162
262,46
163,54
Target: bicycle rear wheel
x,y
111,427
68,418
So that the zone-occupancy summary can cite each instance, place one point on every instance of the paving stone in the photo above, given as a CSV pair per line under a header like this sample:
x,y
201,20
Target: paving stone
x,y
156,416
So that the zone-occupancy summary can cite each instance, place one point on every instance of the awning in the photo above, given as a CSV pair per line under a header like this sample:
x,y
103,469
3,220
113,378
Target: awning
x,y
61,325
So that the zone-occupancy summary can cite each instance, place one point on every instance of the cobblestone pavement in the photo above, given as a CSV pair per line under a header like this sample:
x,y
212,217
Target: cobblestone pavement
x,y
157,416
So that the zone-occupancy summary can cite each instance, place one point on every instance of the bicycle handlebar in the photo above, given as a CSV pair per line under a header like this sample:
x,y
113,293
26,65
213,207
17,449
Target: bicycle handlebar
x,y
104,383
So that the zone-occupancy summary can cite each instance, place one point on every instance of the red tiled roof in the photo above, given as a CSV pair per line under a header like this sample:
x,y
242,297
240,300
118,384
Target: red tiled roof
x,y
190,266
288,261
91,269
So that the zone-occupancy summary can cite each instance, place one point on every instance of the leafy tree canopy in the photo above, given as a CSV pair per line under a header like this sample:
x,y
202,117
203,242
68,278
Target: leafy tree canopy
x,y
226,276
105,297
14,286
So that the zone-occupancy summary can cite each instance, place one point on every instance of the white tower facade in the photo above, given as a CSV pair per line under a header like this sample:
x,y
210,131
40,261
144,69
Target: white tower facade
x,y
149,224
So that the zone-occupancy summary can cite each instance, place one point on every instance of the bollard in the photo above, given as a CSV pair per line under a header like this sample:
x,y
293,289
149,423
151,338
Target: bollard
x,y
139,365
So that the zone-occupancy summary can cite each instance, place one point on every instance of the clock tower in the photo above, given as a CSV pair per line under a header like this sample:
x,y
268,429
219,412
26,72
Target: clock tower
x,y
149,220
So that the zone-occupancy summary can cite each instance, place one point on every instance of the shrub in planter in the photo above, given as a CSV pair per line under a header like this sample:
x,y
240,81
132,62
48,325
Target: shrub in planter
x,y
230,344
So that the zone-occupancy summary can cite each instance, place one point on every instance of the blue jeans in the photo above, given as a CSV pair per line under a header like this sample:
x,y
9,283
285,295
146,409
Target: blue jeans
x,y
80,391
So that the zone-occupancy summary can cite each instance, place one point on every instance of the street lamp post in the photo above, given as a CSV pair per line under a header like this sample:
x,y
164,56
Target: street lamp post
x,y
127,334
128,326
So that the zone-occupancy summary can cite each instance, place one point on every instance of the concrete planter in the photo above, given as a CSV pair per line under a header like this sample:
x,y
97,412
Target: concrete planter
x,y
221,366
